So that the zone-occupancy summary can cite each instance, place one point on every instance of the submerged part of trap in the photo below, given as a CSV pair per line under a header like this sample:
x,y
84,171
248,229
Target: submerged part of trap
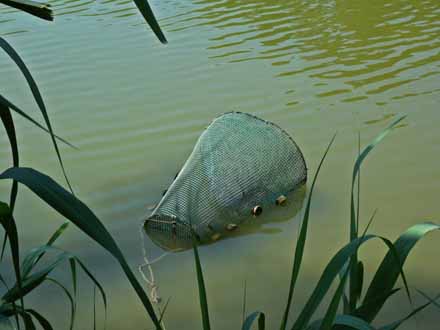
x,y
240,166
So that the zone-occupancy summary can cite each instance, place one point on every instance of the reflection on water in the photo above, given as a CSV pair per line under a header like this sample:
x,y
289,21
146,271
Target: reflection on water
x,y
270,216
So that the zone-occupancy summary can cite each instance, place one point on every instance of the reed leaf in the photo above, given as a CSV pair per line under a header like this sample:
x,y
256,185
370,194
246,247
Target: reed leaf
x,y
41,10
38,99
76,211
45,324
243,307
8,123
27,320
8,223
378,300
97,285
249,321
396,324
386,276
433,301
162,313
34,256
201,284
148,14
299,250
344,322
75,288
330,315
94,307
354,292
69,297
5,102
331,271
32,281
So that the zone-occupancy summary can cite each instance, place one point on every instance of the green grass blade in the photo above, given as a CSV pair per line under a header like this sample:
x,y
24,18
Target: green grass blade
x,y
345,303
57,233
8,313
360,280
5,102
243,309
76,211
38,98
148,14
202,290
345,322
362,157
35,255
29,260
331,271
369,223
299,250
52,239
394,255
435,303
262,322
75,289
41,10
32,281
8,123
330,315
358,190
162,313
353,293
45,324
96,285
352,322
396,324
4,307
94,307
388,272
8,223
355,283
69,297
381,299
249,321
5,242
2,281
27,320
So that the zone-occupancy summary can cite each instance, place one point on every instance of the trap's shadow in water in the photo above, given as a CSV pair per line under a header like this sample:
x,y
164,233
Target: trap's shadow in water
x,y
274,215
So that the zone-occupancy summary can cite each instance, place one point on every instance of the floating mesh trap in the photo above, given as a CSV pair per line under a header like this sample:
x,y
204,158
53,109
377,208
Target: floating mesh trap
x,y
240,166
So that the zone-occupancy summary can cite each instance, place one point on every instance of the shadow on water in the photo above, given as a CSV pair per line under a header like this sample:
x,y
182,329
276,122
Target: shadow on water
x,y
275,215
265,224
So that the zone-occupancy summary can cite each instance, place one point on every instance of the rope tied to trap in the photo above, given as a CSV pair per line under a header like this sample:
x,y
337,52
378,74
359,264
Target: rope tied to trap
x,y
239,166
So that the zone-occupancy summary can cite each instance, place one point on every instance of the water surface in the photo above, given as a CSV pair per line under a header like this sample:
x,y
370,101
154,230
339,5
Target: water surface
x,y
135,109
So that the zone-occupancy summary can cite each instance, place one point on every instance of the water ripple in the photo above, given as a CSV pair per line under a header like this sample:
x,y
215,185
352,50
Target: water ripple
x,y
369,48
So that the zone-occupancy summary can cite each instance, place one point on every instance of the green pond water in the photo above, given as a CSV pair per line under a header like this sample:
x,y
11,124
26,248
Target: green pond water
x,y
135,108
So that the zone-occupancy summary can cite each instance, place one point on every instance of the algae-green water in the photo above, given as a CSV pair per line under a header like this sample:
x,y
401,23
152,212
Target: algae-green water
x,y
135,108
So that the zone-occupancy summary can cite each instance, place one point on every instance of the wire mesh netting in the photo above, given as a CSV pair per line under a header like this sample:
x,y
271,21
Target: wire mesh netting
x,y
240,165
